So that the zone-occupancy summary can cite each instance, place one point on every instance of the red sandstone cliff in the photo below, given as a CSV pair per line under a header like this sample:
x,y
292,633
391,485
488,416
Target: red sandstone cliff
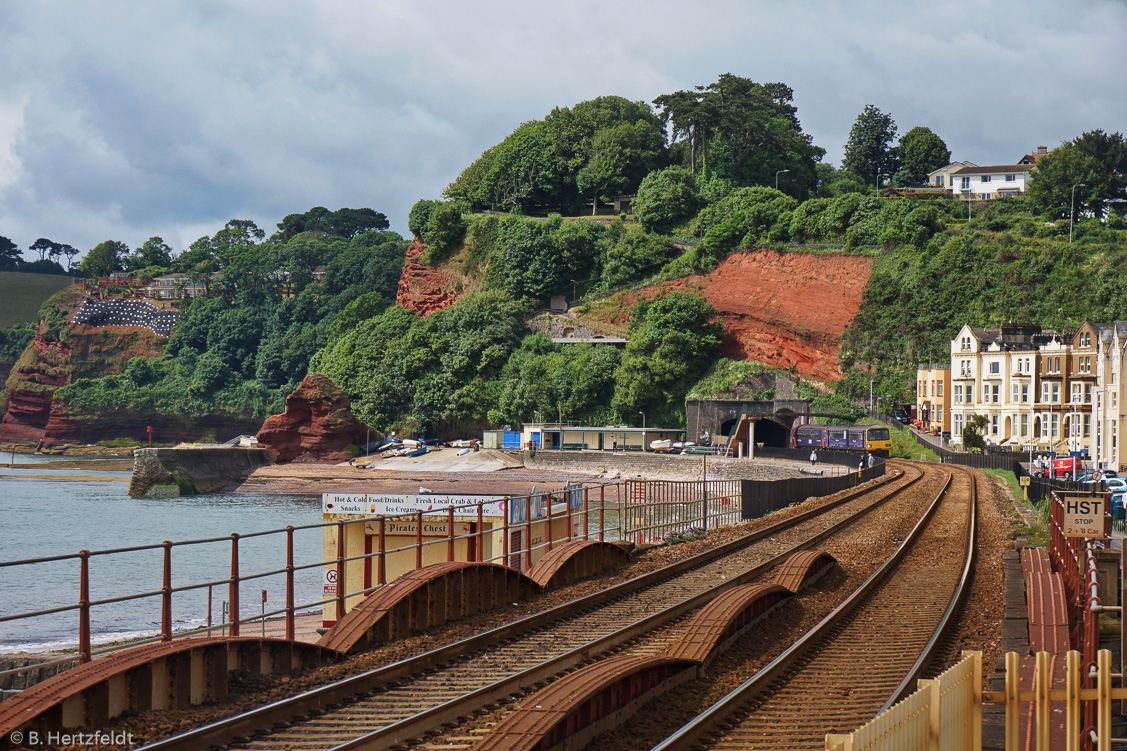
x,y
423,288
53,360
786,310
317,425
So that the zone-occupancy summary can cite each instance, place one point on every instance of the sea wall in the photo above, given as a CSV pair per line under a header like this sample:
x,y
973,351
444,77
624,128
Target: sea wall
x,y
186,471
632,464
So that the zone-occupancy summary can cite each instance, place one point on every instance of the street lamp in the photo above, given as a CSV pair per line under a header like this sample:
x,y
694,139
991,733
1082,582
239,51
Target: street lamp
x,y
643,414
574,291
871,395
1072,209
777,177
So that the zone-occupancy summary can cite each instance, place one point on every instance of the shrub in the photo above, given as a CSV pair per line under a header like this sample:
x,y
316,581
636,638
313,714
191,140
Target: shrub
x,y
444,231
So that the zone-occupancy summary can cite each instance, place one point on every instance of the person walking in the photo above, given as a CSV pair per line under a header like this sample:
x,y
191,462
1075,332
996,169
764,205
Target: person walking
x,y
813,458
871,461
614,445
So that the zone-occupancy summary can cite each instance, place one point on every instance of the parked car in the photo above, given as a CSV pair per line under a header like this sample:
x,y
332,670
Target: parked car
x,y
1115,484
900,414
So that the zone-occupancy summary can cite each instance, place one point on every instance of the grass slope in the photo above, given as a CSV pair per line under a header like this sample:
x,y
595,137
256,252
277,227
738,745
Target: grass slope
x,y
23,294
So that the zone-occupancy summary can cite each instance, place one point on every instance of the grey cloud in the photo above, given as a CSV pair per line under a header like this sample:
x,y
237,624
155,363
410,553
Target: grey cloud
x,y
170,118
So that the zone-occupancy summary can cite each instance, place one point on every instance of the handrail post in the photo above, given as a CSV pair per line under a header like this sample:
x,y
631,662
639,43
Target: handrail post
x,y
84,606
450,534
567,510
505,529
528,533
602,512
418,540
480,533
381,568
548,533
291,616
342,582
166,595
233,588
586,513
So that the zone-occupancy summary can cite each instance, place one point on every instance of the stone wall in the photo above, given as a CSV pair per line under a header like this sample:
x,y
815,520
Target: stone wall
x,y
631,465
187,471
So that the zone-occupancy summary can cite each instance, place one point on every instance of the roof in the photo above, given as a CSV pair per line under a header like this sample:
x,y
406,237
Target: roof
x,y
994,169
949,166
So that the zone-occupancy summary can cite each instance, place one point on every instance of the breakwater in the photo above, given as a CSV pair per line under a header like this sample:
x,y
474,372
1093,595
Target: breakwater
x,y
166,472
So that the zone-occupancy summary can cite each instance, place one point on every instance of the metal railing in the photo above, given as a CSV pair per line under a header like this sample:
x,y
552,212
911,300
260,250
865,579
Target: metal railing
x,y
585,512
656,511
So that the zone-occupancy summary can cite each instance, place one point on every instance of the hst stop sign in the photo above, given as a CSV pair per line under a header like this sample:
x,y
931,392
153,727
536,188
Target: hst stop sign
x,y
1083,516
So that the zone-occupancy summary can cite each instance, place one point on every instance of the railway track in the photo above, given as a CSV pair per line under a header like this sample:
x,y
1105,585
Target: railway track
x,y
407,700
862,657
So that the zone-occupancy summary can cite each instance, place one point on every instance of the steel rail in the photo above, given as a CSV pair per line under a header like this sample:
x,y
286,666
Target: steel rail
x,y
412,727
909,683
695,733
319,699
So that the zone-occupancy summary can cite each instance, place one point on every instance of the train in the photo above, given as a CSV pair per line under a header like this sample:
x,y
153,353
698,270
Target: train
x,y
872,439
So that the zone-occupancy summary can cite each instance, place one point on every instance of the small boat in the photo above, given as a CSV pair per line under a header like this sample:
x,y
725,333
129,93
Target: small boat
x,y
417,451
661,446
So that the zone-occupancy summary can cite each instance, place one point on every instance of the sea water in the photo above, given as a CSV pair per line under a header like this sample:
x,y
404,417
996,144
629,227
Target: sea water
x,y
41,518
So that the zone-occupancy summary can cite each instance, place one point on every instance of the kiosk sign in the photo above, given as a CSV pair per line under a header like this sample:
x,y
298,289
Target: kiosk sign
x,y
1083,516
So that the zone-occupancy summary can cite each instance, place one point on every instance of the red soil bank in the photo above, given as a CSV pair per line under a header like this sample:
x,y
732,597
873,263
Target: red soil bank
x,y
786,310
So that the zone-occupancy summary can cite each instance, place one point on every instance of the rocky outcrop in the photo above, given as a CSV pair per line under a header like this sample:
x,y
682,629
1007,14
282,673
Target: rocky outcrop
x,y
423,288
317,426
57,357
786,310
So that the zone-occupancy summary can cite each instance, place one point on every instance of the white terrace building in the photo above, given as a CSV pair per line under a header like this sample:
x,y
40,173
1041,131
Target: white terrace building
x,y
995,373
1041,390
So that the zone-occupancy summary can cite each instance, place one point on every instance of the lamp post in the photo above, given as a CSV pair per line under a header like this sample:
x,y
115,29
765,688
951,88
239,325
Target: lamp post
x,y
1072,209
574,291
777,177
871,395
644,444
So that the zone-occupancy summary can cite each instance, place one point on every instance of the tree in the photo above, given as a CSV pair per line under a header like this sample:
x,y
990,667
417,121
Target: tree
x,y
869,152
972,432
921,152
419,216
1096,159
153,252
666,198
105,258
621,157
346,223
10,256
43,247
70,252
672,341
744,131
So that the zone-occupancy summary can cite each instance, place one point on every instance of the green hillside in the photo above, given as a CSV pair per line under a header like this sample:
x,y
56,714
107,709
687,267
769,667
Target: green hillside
x,y
23,294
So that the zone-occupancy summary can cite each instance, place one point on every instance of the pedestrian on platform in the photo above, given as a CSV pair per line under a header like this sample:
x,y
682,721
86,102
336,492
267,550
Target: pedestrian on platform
x,y
813,458
871,462
614,446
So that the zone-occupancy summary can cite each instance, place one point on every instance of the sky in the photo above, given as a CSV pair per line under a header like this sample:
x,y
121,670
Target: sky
x,y
123,120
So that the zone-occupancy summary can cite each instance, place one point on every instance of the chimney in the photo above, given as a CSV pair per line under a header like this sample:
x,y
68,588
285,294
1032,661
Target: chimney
x,y
1042,150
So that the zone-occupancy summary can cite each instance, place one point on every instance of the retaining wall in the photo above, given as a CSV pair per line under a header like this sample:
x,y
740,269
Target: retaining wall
x,y
186,471
651,466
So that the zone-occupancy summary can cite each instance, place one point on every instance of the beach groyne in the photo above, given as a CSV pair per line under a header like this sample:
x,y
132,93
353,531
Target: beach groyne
x,y
168,472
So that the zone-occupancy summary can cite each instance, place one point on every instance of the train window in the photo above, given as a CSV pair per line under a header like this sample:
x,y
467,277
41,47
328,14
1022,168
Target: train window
x,y
879,434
